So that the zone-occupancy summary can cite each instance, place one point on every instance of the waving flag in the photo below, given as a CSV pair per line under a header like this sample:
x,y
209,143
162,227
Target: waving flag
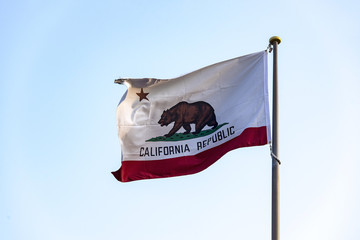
x,y
180,126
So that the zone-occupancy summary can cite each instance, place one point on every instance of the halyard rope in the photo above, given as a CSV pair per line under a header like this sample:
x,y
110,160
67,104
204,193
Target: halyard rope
x,y
274,156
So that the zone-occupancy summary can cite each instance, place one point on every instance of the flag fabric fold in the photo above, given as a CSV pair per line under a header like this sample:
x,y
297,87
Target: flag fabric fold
x,y
180,126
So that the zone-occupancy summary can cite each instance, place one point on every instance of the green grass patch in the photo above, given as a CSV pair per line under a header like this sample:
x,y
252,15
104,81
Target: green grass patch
x,y
182,136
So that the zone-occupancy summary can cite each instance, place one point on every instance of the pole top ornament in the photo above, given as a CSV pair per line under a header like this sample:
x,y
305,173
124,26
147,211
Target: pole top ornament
x,y
275,39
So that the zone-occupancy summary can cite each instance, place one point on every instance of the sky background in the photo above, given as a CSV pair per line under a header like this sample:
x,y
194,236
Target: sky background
x,y
58,135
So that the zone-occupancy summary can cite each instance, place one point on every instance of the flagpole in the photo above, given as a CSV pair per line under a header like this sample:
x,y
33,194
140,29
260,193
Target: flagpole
x,y
275,227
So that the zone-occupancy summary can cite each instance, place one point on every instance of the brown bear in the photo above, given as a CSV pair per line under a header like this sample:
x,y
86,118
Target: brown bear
x,y
183,114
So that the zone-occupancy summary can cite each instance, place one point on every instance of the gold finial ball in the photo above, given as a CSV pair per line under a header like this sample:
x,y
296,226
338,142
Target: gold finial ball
x,y
275,39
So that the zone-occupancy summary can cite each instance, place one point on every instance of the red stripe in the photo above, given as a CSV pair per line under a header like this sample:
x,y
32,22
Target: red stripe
x,y
137,170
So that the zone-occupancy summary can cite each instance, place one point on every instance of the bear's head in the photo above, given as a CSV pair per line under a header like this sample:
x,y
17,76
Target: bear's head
x,y
165,118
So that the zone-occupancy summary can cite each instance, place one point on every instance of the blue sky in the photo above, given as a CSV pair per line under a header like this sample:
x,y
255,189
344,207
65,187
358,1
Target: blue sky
x,y
58,136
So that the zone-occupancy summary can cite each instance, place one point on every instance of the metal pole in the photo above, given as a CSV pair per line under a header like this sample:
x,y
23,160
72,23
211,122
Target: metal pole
x,y
275,227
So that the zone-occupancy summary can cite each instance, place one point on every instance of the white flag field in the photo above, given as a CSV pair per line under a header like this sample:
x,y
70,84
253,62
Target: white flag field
x,y
180,126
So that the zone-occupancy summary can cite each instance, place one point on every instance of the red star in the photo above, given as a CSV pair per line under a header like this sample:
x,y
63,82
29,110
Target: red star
x,y
142,95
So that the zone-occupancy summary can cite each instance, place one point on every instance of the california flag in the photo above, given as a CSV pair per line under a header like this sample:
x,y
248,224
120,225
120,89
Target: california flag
x,y
179,126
